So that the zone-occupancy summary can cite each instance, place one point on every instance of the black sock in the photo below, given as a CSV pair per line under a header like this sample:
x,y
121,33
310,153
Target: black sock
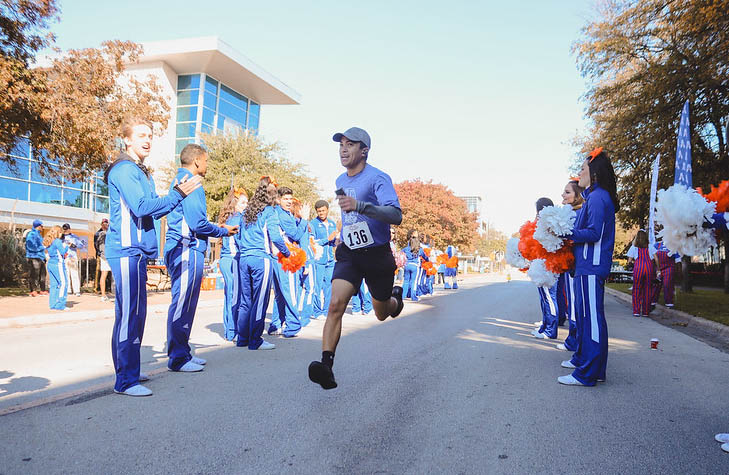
x,y
327,357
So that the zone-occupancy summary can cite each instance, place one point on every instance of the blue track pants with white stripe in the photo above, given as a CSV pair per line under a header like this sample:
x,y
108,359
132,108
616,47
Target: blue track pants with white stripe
x,y
592,351
306,288
284,307
229,268
130,281
185,267
362,300
410,281
323,290
548,302
571,342
255,289
58,288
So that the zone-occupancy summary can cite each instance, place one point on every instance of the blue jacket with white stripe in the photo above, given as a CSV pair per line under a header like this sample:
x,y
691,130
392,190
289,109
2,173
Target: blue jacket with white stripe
x,y
254,239
133,206
594,233
188,222
229,246
321,231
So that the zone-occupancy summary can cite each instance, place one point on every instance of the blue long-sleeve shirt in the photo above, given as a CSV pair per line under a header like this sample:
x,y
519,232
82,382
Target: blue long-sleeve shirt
x,y
56,251
293,230
133,206
34,248
188,221
414,257
594,233
322,230
254,239
229,247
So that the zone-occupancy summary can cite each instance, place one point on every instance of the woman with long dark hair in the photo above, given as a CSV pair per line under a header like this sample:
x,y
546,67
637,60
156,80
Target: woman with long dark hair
x,y
414,253
255,266
594,239
233,205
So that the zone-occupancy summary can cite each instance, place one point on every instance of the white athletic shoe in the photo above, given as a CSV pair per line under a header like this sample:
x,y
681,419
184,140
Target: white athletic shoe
x,y
567,364
143,377
540,336
569,380
199,361
722,438
104,298
266,346
560,346
534,332
539,324
191,367
669,305
136,391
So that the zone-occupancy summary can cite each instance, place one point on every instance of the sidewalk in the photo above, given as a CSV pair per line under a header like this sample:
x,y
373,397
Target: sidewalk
x,y
25,310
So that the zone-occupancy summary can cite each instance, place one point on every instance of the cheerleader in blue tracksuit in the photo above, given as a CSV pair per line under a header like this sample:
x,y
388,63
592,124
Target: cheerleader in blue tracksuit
x,y
233,205
258,229
548,298
56,268
594,239
572,195
285,309
130,241
413,253
362,300
451,272
324,231
186,241
306,276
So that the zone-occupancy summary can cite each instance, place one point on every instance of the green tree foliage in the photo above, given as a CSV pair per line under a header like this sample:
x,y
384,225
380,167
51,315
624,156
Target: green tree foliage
x,y
643,60
491,242
433,210
241,160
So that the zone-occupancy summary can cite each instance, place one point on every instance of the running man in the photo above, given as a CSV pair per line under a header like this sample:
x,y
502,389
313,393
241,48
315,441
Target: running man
x,y
369,206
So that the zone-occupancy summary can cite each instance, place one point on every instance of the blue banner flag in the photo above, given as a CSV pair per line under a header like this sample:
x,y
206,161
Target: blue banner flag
x,y
683,150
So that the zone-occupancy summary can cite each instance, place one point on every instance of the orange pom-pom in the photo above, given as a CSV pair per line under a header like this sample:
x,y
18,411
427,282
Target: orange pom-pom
x,y
719,195
441,259
295,261
427,251
562,260
529,247
431,270
452,262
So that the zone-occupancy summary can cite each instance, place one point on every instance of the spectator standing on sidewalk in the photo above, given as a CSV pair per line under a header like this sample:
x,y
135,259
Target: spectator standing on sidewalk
x,y
57,251
103,264
73,243
35,252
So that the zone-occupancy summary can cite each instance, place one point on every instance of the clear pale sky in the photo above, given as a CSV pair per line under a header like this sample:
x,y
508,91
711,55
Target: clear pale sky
x,y
482,96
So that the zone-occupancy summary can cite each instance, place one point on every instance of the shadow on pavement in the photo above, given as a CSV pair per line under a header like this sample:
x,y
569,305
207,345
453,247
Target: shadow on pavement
x,y
21,384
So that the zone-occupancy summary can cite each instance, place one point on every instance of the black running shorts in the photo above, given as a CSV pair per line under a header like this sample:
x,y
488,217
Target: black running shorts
x,y
376,265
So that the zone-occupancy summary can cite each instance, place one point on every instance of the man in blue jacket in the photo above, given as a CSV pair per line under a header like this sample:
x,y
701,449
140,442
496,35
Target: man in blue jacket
x,y
131,240
185,245
325,235
35,252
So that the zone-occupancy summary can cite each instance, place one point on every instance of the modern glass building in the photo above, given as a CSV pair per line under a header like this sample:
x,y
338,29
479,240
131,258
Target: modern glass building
x,y
211,88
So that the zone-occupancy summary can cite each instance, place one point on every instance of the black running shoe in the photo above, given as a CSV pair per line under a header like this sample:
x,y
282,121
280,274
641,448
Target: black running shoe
x,y
322,375
397,293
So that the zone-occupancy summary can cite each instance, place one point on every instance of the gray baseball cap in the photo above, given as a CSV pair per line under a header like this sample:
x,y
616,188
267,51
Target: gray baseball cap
x,y
355,134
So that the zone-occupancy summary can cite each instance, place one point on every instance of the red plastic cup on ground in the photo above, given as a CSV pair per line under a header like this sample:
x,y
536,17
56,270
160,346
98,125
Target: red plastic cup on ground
x,y
654,343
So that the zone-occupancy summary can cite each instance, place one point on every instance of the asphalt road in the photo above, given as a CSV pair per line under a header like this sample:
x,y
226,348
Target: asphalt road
x,y
454,385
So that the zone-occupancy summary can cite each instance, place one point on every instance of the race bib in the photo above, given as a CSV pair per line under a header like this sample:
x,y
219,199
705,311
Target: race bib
x,y
357,235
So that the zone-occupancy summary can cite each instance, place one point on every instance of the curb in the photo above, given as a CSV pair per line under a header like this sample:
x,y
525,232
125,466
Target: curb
x,y
678,315
67,317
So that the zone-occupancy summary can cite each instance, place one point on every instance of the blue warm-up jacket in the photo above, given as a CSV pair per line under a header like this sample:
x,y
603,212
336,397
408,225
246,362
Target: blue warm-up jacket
x,y
254,239
594,233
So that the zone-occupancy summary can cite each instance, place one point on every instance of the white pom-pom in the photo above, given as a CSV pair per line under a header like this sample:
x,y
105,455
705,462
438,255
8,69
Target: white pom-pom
x,y
513,256
318,251
682,212
553,223
539,274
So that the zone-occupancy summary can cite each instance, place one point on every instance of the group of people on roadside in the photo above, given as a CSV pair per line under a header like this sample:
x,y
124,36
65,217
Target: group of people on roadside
x,y
578,295
648,260
55,253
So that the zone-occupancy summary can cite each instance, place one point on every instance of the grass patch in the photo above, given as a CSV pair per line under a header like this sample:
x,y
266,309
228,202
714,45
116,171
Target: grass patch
x,y
13,291
708,304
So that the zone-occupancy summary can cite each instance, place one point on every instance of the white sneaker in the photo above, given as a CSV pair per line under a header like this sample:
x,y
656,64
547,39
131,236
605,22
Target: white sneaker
x,y
569,380
725,447
77,294
539,324
136,391
276,332
191,367
534,332
199,361
567,364
560,346
104,298
143,377
540,336
722,438
266,346
669,305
